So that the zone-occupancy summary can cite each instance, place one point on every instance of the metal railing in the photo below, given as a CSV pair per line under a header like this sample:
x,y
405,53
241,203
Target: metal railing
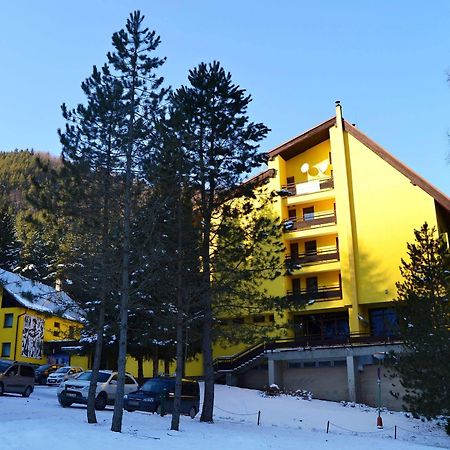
x,y
231,363
312,257
323,293
309,221
309,187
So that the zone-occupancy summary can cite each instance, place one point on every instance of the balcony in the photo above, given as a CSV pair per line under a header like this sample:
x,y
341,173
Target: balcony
x,y
310,221
317,257
322,293
308,187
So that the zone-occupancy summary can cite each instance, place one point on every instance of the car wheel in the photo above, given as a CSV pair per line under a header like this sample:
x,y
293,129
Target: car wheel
x,y
192,412
2,389
100,401
64,403
130,410
27,391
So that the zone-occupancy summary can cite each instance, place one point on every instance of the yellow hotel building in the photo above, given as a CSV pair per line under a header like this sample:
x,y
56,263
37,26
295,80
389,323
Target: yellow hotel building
x,y
348,209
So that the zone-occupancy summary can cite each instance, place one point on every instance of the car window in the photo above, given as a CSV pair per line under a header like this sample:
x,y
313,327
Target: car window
x,y
12,371
4,365
129,380
27,371
63,370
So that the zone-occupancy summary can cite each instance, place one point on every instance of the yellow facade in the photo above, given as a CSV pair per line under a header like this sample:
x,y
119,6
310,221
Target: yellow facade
x,y
350,211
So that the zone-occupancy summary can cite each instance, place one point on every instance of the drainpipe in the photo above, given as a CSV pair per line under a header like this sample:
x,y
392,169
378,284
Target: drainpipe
x,y
17,331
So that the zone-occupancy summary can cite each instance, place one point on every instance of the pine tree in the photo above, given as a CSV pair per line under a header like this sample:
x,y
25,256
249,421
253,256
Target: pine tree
x,y
221,146
90,195
135,65
9,244
423,309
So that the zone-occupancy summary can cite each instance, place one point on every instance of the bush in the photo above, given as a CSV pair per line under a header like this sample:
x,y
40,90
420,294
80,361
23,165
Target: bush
x,y
275,391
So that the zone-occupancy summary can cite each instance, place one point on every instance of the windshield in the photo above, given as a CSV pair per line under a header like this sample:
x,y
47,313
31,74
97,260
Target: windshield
x,y
156,386
63,370
42,368
86,376
4,365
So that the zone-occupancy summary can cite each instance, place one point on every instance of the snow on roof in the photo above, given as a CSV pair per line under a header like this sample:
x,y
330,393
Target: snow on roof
x,y
37,296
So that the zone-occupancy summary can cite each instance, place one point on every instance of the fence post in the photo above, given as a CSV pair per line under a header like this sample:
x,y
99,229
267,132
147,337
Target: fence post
x,y
328,426
259,416
395,432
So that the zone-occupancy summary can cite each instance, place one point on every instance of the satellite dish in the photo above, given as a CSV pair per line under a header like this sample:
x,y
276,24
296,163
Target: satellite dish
x,y
323,166
304,168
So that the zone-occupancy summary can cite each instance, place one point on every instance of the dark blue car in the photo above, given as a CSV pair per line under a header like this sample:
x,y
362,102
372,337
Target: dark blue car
x,y
157,395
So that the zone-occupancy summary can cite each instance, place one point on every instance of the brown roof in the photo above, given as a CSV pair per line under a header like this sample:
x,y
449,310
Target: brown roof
x,y
304,141
261,177
320,133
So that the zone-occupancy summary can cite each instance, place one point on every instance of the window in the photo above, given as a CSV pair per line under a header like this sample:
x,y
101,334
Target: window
x,y
324,364
311,247
56,333
309,364
295,365
8,320
271,318
292,213
71,332
296,285
128,380
27,371
329,157
290,181
57,325
308,213
311,284
6,349
294,251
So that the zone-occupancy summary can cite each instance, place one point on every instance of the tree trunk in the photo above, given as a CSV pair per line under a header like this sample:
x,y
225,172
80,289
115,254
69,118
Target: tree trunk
x,y
155,361
208,367
91,416
166,367
140,362
175,425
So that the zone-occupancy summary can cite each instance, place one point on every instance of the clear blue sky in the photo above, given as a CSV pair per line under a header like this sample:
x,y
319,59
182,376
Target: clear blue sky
x,y
387,61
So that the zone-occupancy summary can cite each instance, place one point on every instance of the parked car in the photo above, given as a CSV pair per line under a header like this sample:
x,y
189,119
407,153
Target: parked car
x,y
16,377
42,372
76,391
63,374
157,395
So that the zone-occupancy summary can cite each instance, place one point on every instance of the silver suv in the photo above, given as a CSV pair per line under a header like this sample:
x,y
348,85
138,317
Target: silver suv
x,y
76,391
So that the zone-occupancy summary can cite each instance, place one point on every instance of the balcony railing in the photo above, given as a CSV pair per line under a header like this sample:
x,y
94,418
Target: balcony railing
x,y
317,257
309,187
322,293
309,221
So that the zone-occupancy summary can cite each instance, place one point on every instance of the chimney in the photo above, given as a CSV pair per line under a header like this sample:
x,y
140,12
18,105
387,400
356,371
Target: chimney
x,y
339,119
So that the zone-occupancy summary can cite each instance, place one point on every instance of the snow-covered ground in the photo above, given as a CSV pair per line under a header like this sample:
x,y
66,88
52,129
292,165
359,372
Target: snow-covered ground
x,y
286,423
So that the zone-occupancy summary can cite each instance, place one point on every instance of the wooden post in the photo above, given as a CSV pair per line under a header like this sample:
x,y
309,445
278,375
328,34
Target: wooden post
x,y
328,426
259,416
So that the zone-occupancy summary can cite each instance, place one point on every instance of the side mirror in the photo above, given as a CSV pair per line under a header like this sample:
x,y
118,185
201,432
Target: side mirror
x,y
113,382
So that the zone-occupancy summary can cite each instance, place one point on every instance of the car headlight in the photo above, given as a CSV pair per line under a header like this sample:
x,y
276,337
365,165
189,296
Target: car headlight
x,y
125,397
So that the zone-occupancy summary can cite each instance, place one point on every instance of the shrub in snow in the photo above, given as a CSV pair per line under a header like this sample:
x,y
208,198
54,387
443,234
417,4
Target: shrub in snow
x,y
274,391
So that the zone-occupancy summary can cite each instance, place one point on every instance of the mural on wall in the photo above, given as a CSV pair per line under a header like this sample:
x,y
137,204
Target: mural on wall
x,y
32,337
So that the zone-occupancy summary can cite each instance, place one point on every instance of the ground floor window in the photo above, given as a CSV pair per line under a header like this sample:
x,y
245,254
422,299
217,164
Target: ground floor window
x,y
322,326
6,349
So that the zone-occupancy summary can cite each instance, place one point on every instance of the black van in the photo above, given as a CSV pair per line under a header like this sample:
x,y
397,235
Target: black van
x,y
157,395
